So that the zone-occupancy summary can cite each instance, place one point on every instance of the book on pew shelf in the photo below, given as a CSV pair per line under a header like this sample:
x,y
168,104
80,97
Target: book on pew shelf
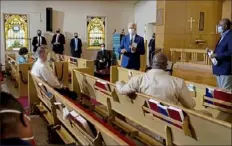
x,y
74,114
164,111
209,92
103,85
222,95
176,114
153,105
79,120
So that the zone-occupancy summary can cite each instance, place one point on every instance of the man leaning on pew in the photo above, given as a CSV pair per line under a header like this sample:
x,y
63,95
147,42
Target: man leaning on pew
x,y
159,84
42,69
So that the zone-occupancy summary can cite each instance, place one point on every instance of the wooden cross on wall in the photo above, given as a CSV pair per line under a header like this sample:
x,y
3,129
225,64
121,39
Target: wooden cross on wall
x,y
191,23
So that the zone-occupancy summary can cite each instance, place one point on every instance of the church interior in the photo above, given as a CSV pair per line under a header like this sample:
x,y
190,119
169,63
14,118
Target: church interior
x,y
98,52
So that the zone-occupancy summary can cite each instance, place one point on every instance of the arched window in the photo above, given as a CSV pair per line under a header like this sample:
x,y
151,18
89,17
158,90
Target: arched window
x,y
96,31
16,31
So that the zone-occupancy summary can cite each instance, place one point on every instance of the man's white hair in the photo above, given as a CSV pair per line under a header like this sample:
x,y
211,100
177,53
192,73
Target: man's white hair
x,y
131,24
41,50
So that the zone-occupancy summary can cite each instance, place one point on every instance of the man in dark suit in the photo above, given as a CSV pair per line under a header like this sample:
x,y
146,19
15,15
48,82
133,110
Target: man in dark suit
x,y
58,42
103,59
38,40
132,46
76,46
151,46
223,54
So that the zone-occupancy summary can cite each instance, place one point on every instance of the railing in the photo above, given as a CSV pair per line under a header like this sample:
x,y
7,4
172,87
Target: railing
x,y
195,56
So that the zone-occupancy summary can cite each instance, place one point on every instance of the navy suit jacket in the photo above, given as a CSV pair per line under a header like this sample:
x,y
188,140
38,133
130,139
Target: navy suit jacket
x,y
132,60
223,53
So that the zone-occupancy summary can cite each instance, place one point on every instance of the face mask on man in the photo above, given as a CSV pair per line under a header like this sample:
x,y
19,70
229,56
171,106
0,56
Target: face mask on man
x,y
102,48
39,33
57,31
131,31
76,36
220,29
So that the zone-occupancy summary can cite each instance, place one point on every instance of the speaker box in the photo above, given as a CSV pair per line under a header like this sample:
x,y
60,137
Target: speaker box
x,y
49,19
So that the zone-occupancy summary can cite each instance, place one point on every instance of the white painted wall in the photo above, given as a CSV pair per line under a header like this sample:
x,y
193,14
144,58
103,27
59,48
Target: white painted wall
x,y
145,12
70,16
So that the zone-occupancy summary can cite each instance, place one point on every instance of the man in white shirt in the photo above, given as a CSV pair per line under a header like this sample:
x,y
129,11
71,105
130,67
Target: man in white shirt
x,y
159,84
42,69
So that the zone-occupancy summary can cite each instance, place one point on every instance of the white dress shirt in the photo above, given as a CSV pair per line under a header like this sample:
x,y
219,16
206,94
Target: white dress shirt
x,y
57,37
39,39
161,85
44,72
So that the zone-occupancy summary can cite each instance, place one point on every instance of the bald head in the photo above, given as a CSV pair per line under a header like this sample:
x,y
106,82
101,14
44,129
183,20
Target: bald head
x,y
160,61
225,24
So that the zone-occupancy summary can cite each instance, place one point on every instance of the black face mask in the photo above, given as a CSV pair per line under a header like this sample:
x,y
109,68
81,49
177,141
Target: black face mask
x,y
76,36
153,37
57,31
39,34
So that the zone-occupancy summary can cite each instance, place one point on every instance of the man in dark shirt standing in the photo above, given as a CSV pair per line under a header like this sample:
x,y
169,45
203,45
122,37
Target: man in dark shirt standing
x,y
151,46
223,54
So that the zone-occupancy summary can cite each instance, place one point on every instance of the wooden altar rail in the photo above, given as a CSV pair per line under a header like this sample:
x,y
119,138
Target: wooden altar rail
x,y
200,126
71,132
123,74
19,73
195,56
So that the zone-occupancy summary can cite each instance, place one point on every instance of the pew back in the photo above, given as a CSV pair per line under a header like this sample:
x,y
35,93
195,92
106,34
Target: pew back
x,y
19,72
135,109
118,73
54,105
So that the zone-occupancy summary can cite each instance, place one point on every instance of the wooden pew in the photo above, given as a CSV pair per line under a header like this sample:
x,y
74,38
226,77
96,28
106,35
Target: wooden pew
x,y
118,73
196,128
19,73
51,104
74,63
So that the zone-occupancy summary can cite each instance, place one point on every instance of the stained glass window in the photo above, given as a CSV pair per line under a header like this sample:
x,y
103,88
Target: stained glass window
x,y
96,31
16,31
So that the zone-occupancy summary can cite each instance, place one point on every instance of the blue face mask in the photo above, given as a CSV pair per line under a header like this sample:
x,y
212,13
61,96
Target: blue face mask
x,y
220,29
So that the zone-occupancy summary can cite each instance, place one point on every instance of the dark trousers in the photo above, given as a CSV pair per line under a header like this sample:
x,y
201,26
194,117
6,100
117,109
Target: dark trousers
x,y
66,92
58,49
102,65
76,54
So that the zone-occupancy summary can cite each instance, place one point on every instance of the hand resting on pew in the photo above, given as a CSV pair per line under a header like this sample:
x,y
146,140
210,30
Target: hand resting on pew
x,y
42,69
157,83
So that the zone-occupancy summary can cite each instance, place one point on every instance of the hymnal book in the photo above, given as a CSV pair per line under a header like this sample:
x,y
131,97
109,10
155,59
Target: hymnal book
x,y
177,114
103,85
164,111
223,95
209,92
153,105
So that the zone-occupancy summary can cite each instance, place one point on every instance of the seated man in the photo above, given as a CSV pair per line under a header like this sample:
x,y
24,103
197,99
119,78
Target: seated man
x,y
15,125
159,84
22,58
42,69
103,59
